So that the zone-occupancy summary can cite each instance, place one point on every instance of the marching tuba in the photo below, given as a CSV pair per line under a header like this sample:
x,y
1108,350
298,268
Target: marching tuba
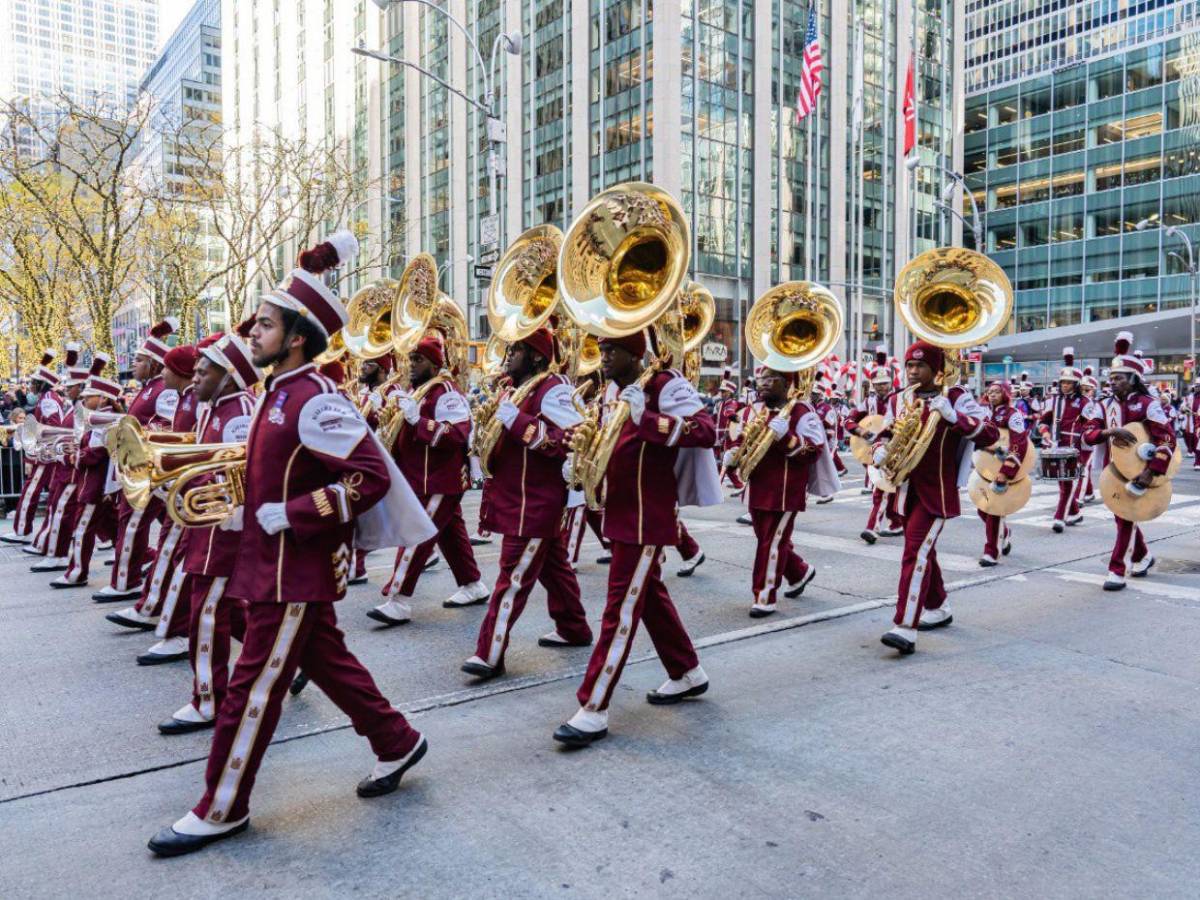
x,y
521,299
621,267
790,328
953,298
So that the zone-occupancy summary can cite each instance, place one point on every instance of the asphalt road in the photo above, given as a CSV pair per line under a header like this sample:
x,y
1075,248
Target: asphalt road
x,y
1044,743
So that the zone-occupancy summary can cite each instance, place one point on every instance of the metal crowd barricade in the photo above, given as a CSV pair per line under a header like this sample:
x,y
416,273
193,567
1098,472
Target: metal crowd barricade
x,y
12,472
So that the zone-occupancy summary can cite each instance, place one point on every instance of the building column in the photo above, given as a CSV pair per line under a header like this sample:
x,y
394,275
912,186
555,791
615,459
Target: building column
x,y
764,198
666,98
581,142
840,150
413,193
461,133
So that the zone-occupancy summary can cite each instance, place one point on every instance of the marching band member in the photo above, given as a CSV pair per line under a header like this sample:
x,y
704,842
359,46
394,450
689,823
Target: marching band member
x,y
880,402
1131,402
1190,408
642,491
312,468
48,411
828,416
371,375
1090,388
524,502
1061,425
997,534
797,463
55,536
726,413
225,373
153,407
94,516
929,496
431,451
160,592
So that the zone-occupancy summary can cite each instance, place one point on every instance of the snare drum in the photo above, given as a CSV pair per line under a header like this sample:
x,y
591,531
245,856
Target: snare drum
x,y
1060,464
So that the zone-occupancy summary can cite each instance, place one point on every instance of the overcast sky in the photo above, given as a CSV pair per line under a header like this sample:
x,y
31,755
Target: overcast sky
x,y
170,14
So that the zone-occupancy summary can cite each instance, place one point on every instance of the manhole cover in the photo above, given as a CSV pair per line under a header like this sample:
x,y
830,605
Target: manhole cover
x,y
1177,566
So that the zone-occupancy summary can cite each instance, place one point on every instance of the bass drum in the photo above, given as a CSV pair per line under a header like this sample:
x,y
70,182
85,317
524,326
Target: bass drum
x,y
860,448
1129,464
988,464
1130,507
1003,504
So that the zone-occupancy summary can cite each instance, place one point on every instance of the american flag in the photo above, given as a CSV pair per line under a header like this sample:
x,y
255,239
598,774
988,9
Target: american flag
x,y
810,72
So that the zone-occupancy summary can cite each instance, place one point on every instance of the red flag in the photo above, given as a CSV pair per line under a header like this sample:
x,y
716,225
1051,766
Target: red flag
x,y
910,112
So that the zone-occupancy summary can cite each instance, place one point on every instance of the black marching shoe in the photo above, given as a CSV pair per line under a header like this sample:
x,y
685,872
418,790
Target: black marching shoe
x,y
604,559
868,535
796,590
169,842
898,642
690,565
575,737
299,683
179,726
1058,526
378,787
481,670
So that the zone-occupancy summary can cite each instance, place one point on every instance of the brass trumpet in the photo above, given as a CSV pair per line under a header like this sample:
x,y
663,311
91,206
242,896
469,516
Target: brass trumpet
x,y
146,460
790,328
43,443
215,499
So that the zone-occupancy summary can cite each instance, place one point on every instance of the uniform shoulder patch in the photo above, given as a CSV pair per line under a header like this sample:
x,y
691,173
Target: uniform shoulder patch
x,y
330,424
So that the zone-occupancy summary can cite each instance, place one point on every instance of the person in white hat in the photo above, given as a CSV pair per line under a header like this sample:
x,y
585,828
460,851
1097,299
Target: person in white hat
x,y
53,539
1061,426
48,410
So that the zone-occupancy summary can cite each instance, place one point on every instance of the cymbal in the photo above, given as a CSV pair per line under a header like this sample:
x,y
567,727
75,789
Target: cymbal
x,y
1005,504
1130,465
860,448
1120,502
988,464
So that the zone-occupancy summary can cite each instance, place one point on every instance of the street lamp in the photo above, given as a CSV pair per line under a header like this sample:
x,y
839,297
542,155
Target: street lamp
x,y
1190,266
943,203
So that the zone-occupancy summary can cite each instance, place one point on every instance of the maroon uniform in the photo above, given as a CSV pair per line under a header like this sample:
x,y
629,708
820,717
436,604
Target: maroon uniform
x,y
1189,412
524,501
929,496
431,451
883,503
94,513
54,538
49,411
640,517
996,530
1130,547
1061,425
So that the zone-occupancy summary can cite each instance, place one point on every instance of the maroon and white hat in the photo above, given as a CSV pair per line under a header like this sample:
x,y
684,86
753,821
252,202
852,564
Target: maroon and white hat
x,y
76,373
97,385
304,291
232,355
1069,372
1128,361
156,345
43,372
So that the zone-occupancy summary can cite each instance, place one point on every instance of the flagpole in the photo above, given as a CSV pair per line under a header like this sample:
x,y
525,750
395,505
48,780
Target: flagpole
x,y
809,243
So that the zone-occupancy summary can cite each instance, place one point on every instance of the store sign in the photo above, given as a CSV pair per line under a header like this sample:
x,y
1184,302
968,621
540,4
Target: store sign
x,y
714,352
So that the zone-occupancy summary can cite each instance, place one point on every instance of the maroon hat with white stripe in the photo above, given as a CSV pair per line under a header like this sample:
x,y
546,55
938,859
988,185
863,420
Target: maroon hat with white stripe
x,y
232,355
98,386
1069,371
43,372
304,291
76,374
155,345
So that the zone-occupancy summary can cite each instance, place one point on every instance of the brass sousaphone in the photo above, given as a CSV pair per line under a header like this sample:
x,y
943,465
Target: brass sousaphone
x,y
953,298
790,328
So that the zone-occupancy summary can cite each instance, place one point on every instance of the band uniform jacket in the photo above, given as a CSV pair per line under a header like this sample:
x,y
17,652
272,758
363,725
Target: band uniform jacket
x,y
91,463
154,405
641,490
726,413
1009,417
526,495
187,411
432,453
873,405
780,480
310,449
212,551
1189,409
1114,413
935,479
1063,420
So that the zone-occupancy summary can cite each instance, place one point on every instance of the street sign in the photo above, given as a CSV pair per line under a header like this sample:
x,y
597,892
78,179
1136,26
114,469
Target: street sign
x,y
974,357
489,257
483,273
489,230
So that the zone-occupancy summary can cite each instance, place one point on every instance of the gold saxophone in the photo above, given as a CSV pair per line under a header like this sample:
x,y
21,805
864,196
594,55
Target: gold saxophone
x,y
391,419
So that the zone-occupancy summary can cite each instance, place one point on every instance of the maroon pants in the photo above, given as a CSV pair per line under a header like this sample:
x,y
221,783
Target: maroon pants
x,y
774,558
360,563
31,492
1129,548
133,538
687,545
883,504
42,538
837,459
635,593
92,521
579,519
994,530
167,561
523,562
1068,498
213,620
921,585
1192,443
446,512
60,516
280,638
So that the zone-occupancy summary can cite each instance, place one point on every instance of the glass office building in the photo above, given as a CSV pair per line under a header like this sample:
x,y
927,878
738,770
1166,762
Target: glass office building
x,y
1065,162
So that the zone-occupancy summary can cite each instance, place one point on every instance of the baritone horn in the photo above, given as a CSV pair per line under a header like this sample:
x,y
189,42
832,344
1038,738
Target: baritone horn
x,y
790,328
953,298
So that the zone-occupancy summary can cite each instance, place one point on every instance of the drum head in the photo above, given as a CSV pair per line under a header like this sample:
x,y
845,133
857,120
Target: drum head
x,y
860,448
988,501
1120,502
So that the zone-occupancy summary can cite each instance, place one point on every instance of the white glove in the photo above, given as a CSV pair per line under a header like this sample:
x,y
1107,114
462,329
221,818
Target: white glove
x,y
879,456
778,426
412,412
272,517
636,398
506,412
234,522
727,459
375,399
566,470
943,407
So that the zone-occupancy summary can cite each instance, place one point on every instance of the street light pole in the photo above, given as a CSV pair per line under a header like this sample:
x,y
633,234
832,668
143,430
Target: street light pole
x,y
1190,266
956,180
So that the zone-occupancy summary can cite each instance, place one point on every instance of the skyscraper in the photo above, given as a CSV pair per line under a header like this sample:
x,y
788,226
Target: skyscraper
x,y
1082,123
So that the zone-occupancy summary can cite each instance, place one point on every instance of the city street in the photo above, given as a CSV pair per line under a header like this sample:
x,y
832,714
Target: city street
x,y
1043,745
